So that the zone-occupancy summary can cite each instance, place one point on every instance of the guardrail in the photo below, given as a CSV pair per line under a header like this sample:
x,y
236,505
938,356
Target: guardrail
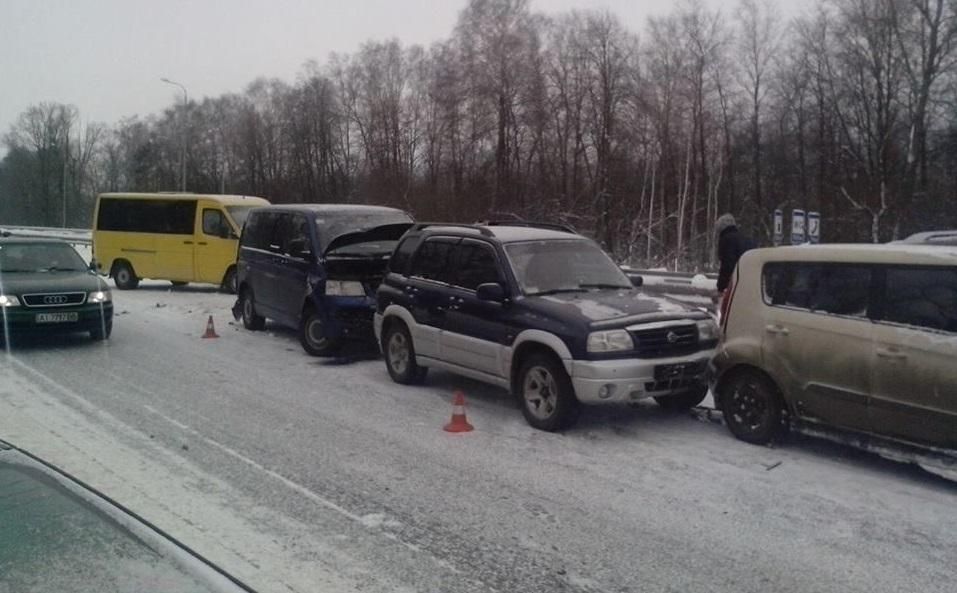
x,y
73,236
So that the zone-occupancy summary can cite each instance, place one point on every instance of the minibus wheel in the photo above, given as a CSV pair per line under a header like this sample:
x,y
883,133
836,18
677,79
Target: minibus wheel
x,y
124,277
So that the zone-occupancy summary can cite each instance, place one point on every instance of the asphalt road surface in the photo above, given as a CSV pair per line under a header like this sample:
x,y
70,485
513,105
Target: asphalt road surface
x,y
303,474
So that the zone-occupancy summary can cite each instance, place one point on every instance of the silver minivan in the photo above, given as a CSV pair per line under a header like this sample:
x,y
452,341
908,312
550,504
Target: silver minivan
x,y
860,337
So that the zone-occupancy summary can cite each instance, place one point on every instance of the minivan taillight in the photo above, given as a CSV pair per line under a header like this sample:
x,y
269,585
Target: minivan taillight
x,y
726,302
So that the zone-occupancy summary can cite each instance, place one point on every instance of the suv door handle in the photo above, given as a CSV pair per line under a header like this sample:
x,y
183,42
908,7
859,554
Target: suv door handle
x,y
891,353
777,330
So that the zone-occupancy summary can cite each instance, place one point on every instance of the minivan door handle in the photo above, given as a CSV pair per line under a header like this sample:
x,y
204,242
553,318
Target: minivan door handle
x,y
187,242
891,353
777,330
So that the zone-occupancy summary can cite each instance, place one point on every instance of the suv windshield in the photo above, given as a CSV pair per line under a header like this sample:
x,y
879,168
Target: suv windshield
x,y
543,267
335,224
40,257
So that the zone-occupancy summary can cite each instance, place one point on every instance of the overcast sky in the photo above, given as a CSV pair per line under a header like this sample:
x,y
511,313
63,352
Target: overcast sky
x,y
107,56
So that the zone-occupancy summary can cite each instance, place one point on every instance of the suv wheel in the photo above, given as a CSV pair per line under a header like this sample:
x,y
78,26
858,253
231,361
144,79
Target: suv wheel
x,y
251,320
683,401
400,355
752,408
547,397
124,277
312,335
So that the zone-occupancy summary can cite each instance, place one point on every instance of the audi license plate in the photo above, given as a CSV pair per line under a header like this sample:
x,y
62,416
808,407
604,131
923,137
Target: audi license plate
x,y
681,370
57,317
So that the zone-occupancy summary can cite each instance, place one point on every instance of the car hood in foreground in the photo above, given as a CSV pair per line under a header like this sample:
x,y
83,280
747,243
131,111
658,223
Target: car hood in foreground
x,y
49,282
611,308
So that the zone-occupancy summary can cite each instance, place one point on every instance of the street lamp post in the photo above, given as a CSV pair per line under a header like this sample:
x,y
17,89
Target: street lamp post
x,y
182,158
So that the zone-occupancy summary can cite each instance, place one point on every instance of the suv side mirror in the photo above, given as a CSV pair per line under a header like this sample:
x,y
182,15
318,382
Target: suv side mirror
x,y
490,291
636,280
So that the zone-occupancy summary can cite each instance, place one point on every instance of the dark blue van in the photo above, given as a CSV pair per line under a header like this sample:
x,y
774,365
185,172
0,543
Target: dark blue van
x,y
316,268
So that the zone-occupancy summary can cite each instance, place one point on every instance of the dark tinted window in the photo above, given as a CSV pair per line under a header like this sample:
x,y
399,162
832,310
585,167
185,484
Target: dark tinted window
x,y
258,230
297,239
432,260
474,264
922,297
403,253
214,223
834,289
147,216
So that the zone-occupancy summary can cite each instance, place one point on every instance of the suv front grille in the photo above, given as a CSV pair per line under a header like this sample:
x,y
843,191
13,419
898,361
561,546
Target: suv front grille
x,y
62,299
662,342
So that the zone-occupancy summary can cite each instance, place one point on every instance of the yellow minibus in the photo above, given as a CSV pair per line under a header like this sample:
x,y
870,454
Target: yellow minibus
x,y
178,237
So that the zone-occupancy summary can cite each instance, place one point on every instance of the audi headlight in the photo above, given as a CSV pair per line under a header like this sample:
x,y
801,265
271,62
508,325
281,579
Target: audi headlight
x,y
614,340
707,331
344,288
8,300
99,296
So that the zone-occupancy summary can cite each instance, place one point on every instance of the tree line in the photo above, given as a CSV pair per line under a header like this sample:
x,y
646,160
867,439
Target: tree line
x,y
640,139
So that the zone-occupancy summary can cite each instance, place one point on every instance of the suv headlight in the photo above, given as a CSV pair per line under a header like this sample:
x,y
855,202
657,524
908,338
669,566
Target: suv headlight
x,y
707,331
344,288
99,296
8,300
614,340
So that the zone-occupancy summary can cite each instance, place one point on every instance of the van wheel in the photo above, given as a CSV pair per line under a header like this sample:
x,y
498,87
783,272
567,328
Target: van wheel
x,y
229,281
547,397
752,408
313,337
399,354
124,277
683,401
251,320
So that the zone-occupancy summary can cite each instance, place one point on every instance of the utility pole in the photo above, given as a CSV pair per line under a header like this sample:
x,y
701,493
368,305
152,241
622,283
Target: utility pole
x,y
182,158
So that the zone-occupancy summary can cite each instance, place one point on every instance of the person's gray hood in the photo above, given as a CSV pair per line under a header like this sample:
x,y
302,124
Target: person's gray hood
x,y
724,222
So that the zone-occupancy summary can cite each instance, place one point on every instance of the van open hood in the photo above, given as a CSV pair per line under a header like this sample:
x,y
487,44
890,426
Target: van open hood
x,y
386,232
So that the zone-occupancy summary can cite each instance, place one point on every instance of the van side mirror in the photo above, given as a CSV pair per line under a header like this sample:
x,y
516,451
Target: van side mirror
x,y
300,248
636,280
490,291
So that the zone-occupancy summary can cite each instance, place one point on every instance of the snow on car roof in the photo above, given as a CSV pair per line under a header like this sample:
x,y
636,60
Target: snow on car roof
x,y
894,253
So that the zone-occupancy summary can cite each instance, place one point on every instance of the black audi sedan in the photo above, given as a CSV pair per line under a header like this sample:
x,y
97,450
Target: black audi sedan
x,y
46,287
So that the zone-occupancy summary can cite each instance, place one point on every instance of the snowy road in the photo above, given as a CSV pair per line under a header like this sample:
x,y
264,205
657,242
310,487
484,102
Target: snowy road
x,y
302,474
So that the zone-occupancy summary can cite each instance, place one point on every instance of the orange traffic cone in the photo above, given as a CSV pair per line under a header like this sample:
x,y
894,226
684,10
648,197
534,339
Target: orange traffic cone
x,y
210,329
458,423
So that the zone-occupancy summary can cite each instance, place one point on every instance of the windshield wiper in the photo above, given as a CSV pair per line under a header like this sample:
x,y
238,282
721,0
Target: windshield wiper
x,y
604,285
555,291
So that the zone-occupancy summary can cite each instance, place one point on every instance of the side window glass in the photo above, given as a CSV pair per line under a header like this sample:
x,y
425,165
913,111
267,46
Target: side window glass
x,y
432,260
399,263
922,297
836,290
297,241
214,223
841,290
475,264
280,231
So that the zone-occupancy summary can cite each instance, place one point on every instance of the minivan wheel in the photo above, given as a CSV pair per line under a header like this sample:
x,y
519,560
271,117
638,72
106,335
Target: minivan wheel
x,y
124,277
546,393
230,281
313,337
399,353
251,320
683,401
752,408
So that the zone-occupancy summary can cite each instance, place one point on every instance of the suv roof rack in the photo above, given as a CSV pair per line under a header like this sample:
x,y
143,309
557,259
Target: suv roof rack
x,y
531,224
424,225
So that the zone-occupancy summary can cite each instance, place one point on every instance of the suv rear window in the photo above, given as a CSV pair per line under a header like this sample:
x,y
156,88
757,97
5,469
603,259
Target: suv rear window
x,y
822,288
921,297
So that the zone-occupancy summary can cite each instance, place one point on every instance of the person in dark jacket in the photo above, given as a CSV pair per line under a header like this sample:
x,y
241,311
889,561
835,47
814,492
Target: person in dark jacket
x,y
731,246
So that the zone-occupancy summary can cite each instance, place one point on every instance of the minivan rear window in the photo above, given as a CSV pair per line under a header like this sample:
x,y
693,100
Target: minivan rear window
x,y
824,288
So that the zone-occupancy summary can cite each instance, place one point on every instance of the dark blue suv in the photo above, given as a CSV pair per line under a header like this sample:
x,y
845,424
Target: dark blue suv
x,y
315,267
540,311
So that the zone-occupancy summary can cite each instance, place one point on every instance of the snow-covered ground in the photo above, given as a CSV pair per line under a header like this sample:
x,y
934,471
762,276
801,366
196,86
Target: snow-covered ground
x,y
303,474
